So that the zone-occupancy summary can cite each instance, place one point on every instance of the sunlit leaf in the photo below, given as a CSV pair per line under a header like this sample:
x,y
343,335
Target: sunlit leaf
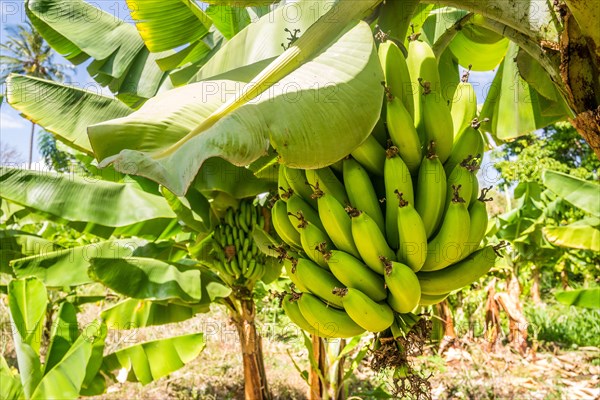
x,y
588,298
580,193
574,236
133,314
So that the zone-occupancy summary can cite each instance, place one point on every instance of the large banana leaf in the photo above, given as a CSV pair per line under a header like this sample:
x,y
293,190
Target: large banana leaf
x,y
334,93
133,314
228,20
574,236
582,194
65,332
150,279
27,300
149,361
75,198
68,267
250,47
11,387
65,111
80,31
172,24
588,298
17,244
512,105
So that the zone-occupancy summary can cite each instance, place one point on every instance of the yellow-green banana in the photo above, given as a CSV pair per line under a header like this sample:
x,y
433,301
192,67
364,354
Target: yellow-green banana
x,y
459,275
447,245
403,133
470,143
314,242
296,206
297,180
327,182
290,269
412,249
437,122
421,63
327,322
403,285
370,241
431,299
368,314
397,178
354,274
431,192
361,192
463,107
283,187
463,175
318,281
337,223
292,310
283,226
395,71
371,155
478,223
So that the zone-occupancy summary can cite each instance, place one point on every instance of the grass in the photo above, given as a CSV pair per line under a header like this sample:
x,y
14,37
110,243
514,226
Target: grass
x,y
564,326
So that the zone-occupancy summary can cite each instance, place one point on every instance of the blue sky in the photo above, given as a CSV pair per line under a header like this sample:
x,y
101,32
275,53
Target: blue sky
x,y
14,130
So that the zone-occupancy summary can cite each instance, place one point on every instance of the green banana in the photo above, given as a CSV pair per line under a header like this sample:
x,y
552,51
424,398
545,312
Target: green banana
x,y
437,122
327,322
336,222
478,223
403,285
296,206
431,191
448,244
462,175
397,77
297,180
361,191
283,187
370,241
464,106
290,269
397,178
354,274
314,242
421,63
470,143
412,246
327,182
284,228
461,274
403,133
318,281
475,193
431,299
291,309
371,155
368,314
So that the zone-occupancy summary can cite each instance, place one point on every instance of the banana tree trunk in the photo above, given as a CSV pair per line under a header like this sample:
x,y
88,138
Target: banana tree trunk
x,y
255,378
517,323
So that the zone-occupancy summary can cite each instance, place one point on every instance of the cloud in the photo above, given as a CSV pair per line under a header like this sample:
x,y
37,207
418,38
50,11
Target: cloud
x,y
8,121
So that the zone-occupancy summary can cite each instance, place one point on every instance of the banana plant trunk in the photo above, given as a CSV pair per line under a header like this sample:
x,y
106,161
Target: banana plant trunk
x,y
255,378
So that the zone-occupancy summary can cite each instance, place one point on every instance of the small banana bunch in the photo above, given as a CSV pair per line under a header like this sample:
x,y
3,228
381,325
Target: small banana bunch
x,y
398,223
237,258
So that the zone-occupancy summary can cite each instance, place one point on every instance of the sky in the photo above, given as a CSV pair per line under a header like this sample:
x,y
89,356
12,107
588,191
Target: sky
x,y
15,130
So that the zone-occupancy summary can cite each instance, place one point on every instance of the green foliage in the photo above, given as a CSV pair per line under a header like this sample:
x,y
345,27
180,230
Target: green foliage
x,y
57,159
558,147
564,325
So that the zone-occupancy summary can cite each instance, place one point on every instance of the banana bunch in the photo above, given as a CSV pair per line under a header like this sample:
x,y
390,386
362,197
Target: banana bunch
x,y
236,256
394,228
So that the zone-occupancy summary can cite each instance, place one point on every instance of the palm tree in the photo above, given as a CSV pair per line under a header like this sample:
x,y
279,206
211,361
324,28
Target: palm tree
x,y
26,52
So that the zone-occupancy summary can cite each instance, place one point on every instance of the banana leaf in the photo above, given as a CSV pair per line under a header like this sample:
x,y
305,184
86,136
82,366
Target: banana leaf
x,y
588,298
150,279
68,267
77,199
120,60
133,313
149,361
574,236
65,111
17,244
582,194
179,132
64,333
11,387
